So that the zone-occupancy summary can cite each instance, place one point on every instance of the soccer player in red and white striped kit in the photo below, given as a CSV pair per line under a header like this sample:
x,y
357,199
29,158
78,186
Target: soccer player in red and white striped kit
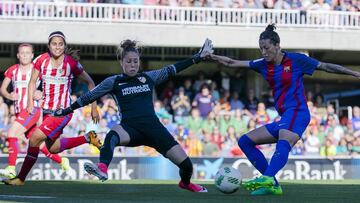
x,y
56,69
19,77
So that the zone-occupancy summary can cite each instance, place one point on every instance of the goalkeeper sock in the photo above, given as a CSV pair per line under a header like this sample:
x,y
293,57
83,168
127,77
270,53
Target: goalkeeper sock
x,y
186,170
112,139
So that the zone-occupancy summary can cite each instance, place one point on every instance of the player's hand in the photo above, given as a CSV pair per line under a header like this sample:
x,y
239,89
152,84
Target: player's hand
x,y
95,115
62,112
206,49
38,95
14,96
30,108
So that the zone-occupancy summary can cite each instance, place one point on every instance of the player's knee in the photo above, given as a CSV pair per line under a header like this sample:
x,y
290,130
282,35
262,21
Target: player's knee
x,y
35,140
245,141
186,165
112,139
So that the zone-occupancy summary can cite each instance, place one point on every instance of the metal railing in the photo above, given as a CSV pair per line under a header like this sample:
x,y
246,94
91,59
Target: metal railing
x,y
119,13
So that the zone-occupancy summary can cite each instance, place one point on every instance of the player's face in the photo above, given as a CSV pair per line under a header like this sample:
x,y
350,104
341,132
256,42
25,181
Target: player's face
x,y
25,55
57,47
131,63
268,50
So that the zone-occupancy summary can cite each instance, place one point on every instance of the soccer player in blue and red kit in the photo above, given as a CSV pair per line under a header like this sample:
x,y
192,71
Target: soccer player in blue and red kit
x,y
133,93
284,72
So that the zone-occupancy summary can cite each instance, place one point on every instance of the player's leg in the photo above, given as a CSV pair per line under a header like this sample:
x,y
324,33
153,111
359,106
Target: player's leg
x,y
15,131
53,126
263,135
160,139
291,126
117,136
248,143
35,141
177,155
23,123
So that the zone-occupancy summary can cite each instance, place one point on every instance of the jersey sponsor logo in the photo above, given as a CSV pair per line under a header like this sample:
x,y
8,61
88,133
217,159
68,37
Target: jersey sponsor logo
x,y
46,128
136,89
287,69
142,79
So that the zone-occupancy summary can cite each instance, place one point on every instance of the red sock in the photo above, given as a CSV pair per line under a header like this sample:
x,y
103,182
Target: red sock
x,y
54,157
30,159
13,150
68,143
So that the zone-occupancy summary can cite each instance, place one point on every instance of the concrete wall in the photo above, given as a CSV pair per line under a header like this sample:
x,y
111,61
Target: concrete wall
x,y
15,31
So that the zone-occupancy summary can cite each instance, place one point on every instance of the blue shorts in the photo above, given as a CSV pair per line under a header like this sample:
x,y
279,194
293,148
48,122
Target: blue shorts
x,y
293,120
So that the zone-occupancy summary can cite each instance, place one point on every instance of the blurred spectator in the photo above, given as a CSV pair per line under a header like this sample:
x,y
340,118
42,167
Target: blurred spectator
x,y
251,102
235,102
109,113
261,117
312,143
189,91
194,122
298,148
180,103
204,101
328,149
160,110
209,123
193,144
356,119
209,147
214,91
4,113
342,148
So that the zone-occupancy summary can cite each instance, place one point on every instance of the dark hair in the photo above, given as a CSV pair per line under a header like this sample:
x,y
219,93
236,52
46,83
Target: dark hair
x,y
270,34
75,54
127,46
56,34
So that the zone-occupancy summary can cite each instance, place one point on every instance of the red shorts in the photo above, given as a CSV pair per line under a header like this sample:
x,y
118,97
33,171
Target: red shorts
x,y
28,120
52,126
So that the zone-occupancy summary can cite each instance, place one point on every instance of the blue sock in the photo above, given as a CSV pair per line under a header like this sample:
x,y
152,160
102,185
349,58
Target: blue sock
x,y
255,156
112,139
279,159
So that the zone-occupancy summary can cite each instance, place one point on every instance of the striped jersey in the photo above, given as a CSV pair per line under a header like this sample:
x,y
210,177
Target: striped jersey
x,y
20,82
56,81
133,95
286,79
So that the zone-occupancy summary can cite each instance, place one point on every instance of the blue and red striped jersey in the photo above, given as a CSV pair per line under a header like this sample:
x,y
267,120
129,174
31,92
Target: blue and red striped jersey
x,y
286,79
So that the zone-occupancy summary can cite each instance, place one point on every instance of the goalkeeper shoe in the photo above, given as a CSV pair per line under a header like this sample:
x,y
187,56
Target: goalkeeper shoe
x,y
192,187
93,139
8,172
99,170
14,181
273,190
259,182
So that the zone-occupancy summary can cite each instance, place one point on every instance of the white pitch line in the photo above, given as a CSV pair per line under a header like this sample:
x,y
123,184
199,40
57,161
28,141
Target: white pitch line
x,y
25,197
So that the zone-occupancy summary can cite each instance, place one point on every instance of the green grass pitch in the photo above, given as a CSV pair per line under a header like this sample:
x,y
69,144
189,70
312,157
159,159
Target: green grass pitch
x,y
156,191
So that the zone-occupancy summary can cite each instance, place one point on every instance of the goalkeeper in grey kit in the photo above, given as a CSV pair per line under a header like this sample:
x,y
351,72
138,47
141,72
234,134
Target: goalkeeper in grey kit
x,y
133,93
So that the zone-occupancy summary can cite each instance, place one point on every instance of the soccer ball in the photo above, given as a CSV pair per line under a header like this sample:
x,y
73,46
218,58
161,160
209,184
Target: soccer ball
x,y
228,179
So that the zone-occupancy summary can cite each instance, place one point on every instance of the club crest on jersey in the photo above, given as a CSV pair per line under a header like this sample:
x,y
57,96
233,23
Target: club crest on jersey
x,y
287,69
142,79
